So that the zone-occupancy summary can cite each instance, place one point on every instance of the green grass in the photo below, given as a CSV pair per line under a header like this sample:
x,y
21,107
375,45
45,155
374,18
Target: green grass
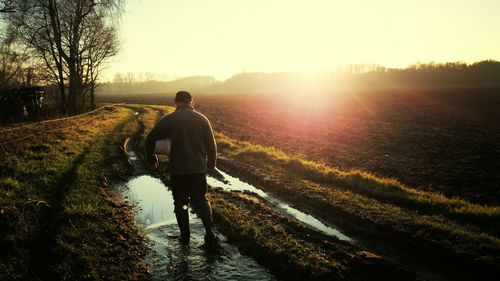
x,y
453,225
150,118
265,235
59,217
386,190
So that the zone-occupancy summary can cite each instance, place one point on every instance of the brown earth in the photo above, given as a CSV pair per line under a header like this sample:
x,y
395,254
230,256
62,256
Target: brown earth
x,y
265,234
422,253
437,140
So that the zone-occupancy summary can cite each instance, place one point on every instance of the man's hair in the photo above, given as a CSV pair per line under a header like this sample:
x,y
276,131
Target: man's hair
x,y
183,96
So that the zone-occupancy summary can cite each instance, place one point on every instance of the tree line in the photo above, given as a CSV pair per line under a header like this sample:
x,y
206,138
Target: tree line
x,y
131,83
65,43
350,77
368,77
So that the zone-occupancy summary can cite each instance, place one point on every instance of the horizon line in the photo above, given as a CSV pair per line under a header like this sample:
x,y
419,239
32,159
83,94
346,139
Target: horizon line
x,y
333,70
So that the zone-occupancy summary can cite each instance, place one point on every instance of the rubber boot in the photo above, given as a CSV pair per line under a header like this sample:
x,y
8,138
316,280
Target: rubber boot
x,y
212,242
182,217
204,211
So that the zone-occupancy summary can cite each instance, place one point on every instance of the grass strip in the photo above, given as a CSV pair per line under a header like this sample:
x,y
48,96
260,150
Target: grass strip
x,y
61,218
457,228
386,190
289,249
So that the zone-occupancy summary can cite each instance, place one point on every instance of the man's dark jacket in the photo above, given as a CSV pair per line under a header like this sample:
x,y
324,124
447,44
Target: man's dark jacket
x,y
193,149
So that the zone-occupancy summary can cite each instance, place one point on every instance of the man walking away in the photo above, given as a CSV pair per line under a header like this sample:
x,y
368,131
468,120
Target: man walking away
x,y
192,155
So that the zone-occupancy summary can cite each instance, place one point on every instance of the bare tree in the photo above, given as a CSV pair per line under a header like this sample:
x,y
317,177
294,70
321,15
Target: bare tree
x,y
149,76
72,37
118,78
10,65
17,66
130,77
101,43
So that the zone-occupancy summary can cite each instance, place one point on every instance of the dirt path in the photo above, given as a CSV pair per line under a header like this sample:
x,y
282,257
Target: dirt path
x,y
169,259
355,263
383,249
345,261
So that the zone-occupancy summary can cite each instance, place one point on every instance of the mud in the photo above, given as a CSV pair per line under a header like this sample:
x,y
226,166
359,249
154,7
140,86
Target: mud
x,y
232,183
263,232
170,260
429,263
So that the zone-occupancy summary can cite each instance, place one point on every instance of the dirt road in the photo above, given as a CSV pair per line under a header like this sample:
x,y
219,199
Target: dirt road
x,y
316,252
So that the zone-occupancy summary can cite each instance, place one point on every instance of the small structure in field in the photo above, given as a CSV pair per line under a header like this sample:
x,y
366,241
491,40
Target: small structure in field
x,y
21,103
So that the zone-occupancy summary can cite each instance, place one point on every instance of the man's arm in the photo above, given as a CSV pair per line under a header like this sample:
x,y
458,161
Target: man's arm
x,y
158,132
211,147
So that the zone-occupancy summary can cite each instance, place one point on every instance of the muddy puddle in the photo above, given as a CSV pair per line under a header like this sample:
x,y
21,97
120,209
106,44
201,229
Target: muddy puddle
x,y
428,272
170,260
234,184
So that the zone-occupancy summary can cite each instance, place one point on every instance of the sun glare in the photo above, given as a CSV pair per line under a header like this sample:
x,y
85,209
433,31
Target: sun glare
x,y
222,38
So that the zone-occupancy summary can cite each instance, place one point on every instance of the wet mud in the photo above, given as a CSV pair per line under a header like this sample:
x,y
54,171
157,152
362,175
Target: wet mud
x,y
231,183
171,260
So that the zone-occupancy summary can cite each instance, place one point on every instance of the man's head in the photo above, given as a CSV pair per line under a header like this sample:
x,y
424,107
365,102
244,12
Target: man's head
x,y
183,97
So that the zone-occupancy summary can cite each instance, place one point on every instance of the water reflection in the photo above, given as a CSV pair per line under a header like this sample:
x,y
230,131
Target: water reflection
x,y
153,199
170,260
232,183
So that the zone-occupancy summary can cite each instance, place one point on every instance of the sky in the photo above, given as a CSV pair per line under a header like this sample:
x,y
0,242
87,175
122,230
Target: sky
x,y
176,38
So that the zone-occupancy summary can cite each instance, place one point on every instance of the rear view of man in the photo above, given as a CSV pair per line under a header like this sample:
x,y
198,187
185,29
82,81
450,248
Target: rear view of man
x,y
192,155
